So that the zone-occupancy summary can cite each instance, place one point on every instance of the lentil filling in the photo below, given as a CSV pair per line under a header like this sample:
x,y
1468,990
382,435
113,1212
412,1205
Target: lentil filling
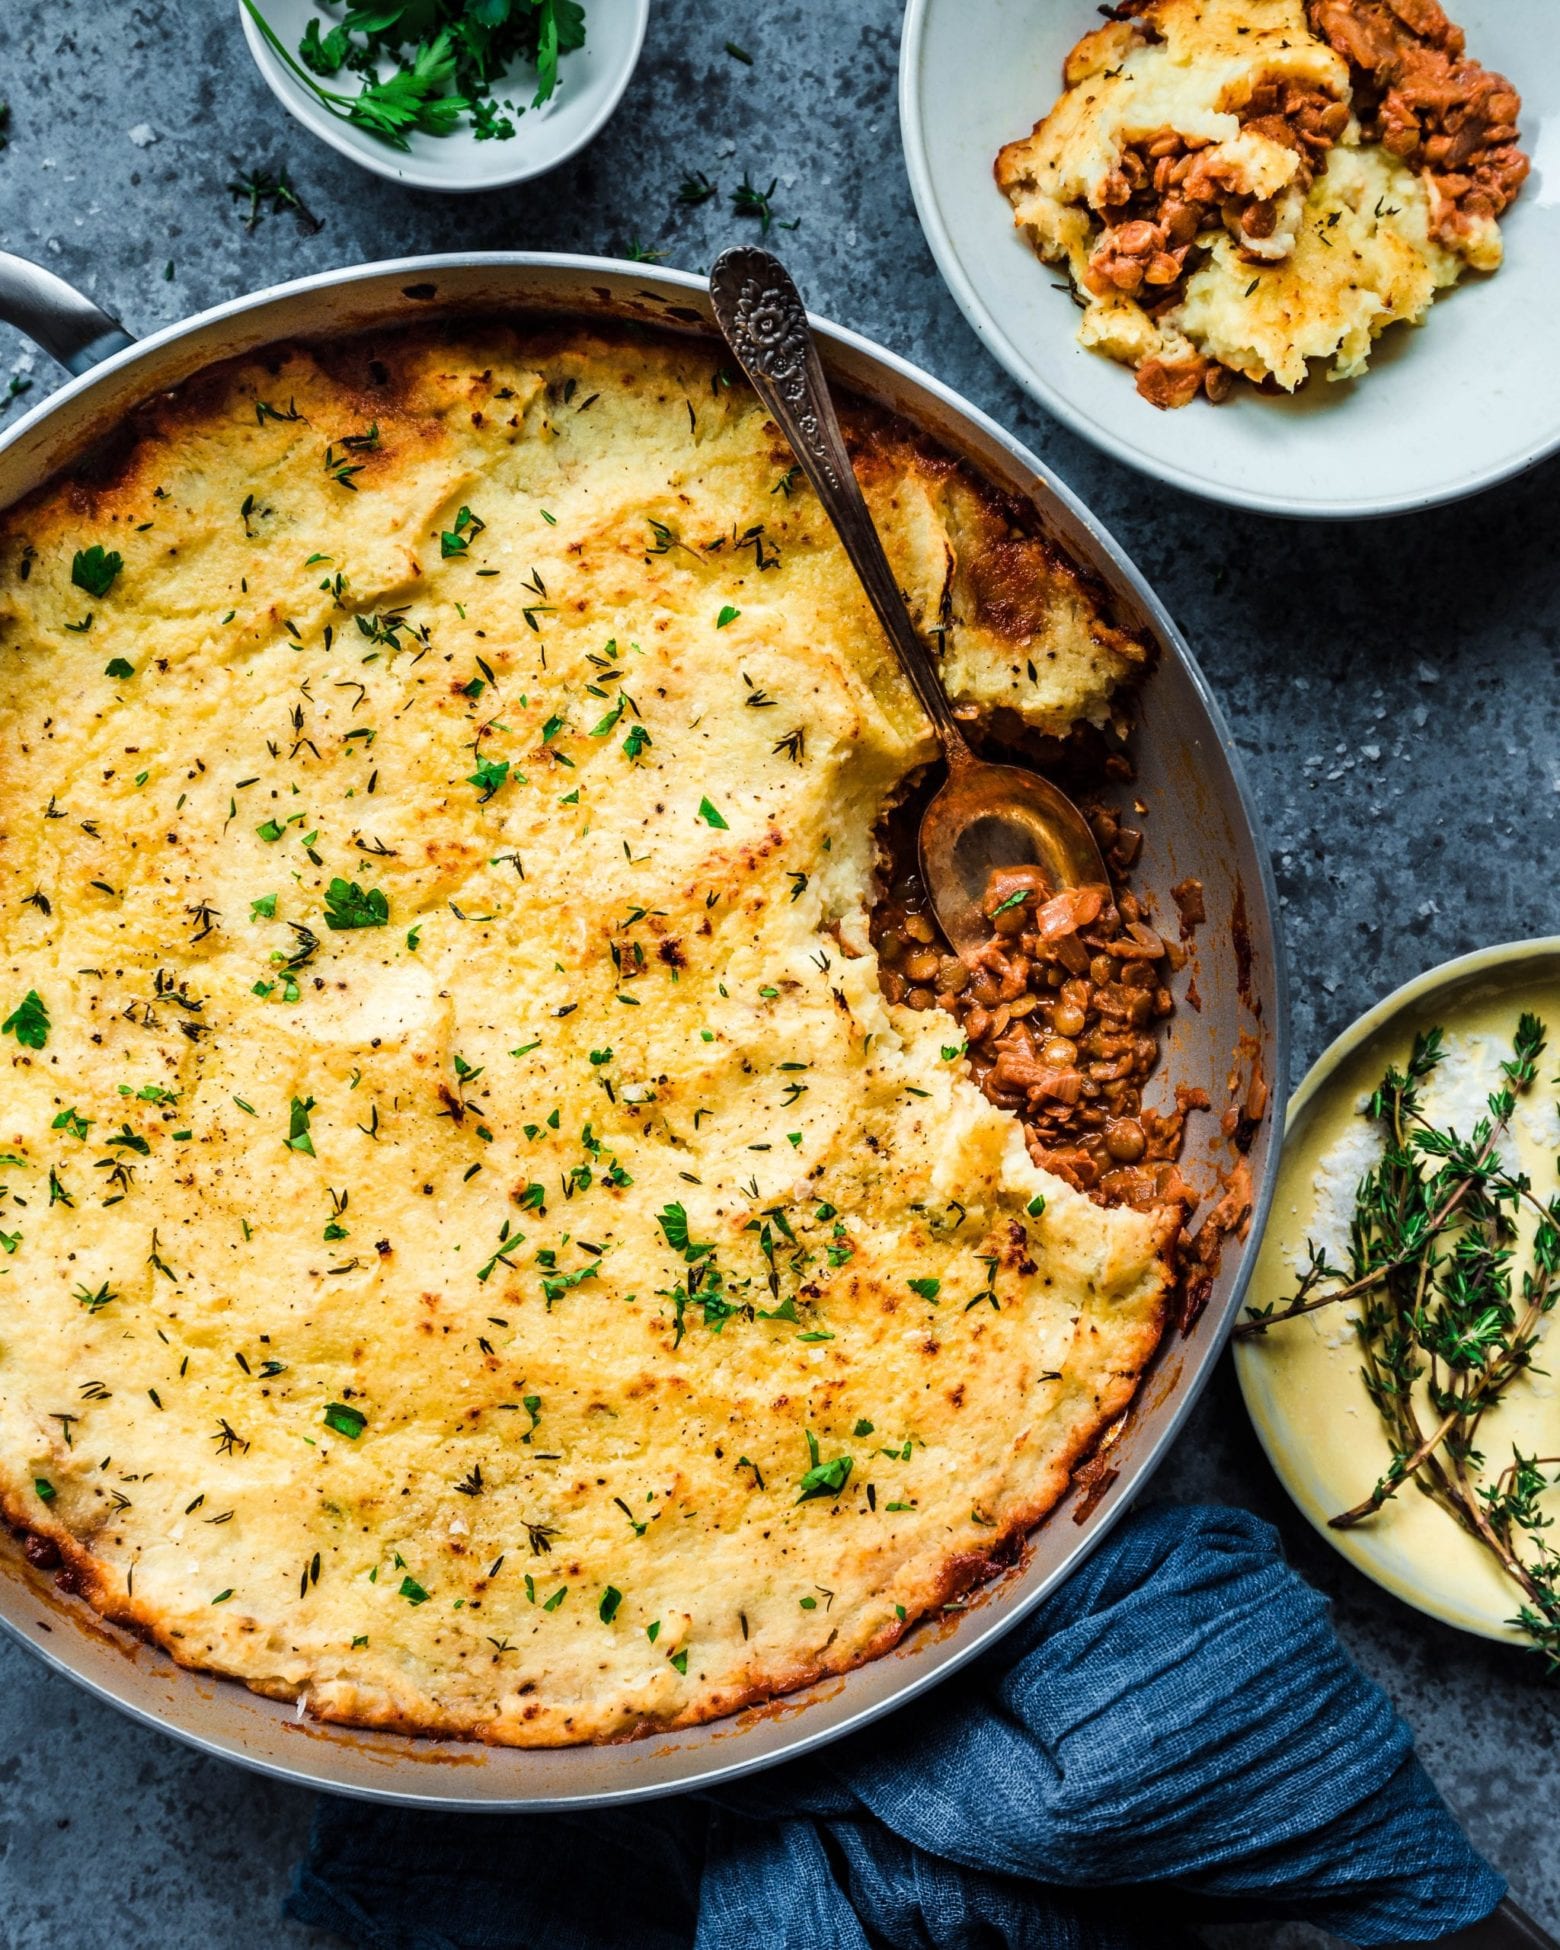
x,y
1061,1012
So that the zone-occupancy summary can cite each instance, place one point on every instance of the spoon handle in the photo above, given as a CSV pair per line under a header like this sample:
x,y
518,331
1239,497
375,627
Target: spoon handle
x,y
761,314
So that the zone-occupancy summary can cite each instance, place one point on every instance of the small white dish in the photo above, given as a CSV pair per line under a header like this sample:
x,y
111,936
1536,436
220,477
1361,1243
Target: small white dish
x,y
591,81
1450,407
1301,1381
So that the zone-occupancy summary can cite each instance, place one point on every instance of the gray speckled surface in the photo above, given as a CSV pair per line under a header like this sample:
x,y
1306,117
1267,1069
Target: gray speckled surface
x,y
1393,688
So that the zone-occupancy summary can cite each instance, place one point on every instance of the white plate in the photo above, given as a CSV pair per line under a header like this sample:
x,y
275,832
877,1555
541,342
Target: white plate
x,y
1466,400
1302,1380
591,81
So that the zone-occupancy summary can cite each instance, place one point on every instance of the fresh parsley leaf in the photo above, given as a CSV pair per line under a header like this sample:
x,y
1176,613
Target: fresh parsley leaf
x,y
28,1022
673,1221
348,906
711,816
94,570
298,1138
488,777
824,1478
350,1422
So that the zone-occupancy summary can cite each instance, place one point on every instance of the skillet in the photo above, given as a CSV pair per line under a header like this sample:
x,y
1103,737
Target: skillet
x,y
1201,823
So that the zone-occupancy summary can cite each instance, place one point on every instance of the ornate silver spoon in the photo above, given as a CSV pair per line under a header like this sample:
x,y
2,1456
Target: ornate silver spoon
x,y
984,816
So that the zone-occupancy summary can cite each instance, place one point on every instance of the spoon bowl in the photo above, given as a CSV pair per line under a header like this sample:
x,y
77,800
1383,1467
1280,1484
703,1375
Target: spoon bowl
x,y
990,816
986,816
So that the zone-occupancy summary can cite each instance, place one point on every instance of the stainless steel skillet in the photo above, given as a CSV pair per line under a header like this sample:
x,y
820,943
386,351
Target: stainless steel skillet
x,y
1200,823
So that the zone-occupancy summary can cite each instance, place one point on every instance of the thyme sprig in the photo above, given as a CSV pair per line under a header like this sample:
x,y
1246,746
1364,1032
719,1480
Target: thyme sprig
x,y
1447,1320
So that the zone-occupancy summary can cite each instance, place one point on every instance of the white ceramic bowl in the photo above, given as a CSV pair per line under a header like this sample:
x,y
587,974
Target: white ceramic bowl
x,y
1469,398
591,81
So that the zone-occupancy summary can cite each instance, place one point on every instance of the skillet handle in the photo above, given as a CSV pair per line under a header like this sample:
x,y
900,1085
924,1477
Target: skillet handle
x,y
56,316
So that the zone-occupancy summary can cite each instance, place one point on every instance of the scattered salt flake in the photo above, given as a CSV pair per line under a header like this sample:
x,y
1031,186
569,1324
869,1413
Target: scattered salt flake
x,y
1458,1091
1427,673
1372,752
1538,1121
143,135
1334,1184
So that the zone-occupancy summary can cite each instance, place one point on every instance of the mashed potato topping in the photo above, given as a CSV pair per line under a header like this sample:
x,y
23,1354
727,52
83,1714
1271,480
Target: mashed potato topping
x,y
1245,186
478,1251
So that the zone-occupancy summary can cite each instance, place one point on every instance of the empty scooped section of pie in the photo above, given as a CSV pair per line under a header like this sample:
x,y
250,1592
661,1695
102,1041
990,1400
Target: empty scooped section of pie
x,y
482,1252
1259,187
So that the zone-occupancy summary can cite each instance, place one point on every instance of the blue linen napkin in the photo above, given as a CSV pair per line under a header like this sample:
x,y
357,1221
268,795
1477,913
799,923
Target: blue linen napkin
x,y
1175,1735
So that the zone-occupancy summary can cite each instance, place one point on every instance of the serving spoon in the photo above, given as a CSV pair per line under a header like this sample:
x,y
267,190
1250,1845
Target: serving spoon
x,y
984,816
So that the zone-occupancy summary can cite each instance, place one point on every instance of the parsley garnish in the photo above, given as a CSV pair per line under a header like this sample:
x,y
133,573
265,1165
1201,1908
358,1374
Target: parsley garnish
x,y
94,570
711,816
611,1598
28,1022
467,528
469,45
488,777
349,1422
824,1478
298,1138
348,906
673,1221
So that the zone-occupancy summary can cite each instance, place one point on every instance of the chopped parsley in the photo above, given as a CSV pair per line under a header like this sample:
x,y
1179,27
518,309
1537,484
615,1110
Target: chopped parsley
x,y
712,816
298,1138
458,540
488,777
823,1478
350,1422
94,569
348,906
28,1022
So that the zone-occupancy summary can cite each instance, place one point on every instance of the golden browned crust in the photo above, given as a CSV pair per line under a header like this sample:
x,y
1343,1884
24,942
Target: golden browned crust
x,y
486,1408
